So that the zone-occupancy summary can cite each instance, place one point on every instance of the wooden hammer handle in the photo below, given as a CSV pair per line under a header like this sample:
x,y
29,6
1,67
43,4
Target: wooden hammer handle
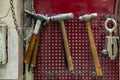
x,y
66,46
32,42
29,52
94,51
35,51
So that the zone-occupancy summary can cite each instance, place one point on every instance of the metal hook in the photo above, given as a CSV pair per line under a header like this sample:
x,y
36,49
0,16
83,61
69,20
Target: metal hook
x,y
114,25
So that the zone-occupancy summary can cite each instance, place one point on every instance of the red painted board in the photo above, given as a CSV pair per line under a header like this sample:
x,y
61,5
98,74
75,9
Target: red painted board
x,y
51,63
78,7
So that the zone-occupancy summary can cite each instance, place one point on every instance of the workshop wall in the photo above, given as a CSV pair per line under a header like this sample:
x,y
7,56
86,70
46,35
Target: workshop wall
x,y
13,69
51,63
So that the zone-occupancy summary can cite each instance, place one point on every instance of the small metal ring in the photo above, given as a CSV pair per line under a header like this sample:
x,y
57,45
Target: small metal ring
x,y
114,24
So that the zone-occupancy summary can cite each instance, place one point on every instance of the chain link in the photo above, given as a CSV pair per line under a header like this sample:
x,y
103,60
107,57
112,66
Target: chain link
x,y
20,35
19,30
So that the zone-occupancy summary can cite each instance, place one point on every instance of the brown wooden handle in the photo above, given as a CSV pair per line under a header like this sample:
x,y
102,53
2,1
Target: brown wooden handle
x,y
94,51
29,52
66,46
35,51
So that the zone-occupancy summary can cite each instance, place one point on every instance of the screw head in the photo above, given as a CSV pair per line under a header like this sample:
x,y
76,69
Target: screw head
x,y
93,74
73,74
104,51
80,74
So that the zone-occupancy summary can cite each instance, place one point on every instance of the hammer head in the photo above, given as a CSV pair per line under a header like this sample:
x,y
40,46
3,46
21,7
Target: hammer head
x,y
60,17
87,17
37,16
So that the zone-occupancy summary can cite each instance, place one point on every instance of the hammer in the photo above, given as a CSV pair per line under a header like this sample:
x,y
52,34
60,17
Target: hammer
x,y
61,18
35,51
86,18
31,45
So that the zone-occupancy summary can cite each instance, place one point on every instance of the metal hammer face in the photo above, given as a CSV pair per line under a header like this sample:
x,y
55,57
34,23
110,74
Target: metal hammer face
x,y
87,17
38,16
61,17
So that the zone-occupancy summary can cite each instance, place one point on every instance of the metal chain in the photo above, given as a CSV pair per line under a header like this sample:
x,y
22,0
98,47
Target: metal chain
x,y
15,20
19,31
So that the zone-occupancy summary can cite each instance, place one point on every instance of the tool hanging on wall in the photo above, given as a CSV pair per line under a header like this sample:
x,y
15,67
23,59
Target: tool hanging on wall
x,y
61,18
86,18
31,45
111,41
22,32
35,51
27,33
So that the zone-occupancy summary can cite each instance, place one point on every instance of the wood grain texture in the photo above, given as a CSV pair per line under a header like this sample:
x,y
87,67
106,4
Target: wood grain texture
x,y
66,46
35,51
29,52
94,51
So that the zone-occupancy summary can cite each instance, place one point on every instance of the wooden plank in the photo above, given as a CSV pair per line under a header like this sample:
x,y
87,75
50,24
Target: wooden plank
x,y
13,69
10,70
3,52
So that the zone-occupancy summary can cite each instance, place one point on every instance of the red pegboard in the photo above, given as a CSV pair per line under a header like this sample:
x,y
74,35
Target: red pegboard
x,y
51,63
78,7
